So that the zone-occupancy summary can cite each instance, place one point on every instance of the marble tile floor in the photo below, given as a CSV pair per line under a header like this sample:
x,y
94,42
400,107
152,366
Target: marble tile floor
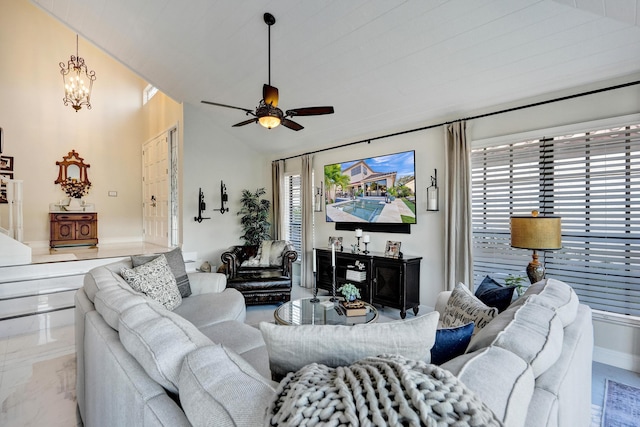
x,y
37,373
102,250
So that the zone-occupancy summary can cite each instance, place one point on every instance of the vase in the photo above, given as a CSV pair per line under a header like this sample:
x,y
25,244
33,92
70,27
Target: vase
x,y
75,204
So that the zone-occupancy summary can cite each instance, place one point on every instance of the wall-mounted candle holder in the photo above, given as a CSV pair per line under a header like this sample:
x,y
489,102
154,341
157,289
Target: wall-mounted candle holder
x,y
317,198
223,198
432,193
202,206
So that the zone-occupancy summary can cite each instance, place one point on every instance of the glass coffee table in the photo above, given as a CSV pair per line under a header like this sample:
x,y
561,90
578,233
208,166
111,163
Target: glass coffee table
x,y
304,312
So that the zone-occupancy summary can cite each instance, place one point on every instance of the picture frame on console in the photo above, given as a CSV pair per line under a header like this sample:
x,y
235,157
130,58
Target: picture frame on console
x,y
392,249
337,241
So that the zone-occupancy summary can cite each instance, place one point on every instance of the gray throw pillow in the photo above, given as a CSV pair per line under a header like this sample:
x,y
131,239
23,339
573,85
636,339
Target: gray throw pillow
x,y
155,280
463,307
176,264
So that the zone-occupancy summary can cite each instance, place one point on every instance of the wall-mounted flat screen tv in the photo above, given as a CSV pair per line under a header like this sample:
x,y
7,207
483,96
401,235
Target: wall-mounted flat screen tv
x,y
375,190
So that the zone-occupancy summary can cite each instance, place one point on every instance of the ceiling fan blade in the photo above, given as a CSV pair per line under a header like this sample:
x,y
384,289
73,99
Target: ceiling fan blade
x,y
309,111
270,95
291,124
228,106
246,122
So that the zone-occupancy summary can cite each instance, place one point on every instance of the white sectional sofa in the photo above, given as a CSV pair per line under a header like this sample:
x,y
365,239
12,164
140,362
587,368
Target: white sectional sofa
x,y
140,364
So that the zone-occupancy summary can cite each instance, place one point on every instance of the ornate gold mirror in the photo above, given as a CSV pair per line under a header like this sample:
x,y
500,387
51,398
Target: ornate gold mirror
x,y
72,175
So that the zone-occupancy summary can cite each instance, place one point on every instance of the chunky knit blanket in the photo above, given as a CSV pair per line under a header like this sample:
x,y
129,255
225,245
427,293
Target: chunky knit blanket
x,y
377,391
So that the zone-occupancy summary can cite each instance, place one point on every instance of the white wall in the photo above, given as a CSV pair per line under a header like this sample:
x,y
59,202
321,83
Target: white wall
x,y
211,155
39,130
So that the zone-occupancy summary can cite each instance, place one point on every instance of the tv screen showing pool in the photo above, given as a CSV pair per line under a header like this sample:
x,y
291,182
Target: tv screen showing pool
x,y
378,190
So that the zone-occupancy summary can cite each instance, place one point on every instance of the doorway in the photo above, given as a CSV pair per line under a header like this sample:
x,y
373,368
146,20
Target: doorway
x,y
160,189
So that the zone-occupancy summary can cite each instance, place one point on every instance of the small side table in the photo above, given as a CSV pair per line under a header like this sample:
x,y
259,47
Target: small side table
x,y
304,312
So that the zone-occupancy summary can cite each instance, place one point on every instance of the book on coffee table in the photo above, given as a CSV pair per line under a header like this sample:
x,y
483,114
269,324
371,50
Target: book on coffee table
x,y
356,308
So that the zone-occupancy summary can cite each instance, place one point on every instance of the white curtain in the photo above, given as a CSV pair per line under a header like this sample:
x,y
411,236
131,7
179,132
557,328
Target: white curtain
x,y
306,183
458,223
277,186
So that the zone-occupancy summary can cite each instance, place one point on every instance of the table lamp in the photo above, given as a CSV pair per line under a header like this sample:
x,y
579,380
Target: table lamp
x,y
537,233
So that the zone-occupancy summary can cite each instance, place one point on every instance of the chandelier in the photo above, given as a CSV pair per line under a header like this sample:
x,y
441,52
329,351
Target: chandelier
x,y
76,77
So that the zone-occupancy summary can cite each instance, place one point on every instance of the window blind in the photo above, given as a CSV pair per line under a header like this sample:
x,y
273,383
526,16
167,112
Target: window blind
x,y
293,214
592,180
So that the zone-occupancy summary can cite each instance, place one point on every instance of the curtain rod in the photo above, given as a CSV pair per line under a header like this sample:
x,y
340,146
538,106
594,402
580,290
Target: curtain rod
x,y
479,116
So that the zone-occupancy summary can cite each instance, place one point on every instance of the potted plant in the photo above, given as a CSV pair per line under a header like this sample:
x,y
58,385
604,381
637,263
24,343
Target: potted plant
x,y
255,212
349,291
516,281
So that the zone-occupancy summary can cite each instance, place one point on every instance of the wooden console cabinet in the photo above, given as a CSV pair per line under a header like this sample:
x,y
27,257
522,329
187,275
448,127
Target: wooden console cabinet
x,y
73,228
389,282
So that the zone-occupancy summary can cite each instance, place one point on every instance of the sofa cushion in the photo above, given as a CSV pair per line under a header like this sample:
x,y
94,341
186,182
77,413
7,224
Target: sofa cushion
x,y
450,343
292,347
112,301
176,264
155,280
532,332
105,276
494,294
463,307
208,309
556,295
159,340
500,379
218,388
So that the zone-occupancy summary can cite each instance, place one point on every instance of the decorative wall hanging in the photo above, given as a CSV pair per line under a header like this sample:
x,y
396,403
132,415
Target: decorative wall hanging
x,y
202,206
6,163
78,81
72,175
224,198
317,198
432,193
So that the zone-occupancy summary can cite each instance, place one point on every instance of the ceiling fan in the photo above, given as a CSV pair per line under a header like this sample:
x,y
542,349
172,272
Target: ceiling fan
x,y
267,112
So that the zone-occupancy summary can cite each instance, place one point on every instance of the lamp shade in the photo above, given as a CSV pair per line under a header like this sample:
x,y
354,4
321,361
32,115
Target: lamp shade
x,y
536,232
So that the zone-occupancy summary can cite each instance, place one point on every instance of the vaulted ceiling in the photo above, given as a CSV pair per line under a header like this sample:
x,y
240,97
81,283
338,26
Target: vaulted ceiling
x,y
385,65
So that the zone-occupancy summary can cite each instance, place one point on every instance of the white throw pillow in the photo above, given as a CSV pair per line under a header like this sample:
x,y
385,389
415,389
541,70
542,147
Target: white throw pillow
x,y
265,253
464,307
155,280
292,347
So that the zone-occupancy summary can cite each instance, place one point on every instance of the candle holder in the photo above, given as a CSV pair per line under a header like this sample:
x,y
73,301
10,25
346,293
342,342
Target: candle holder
x,y
365,248
358,248
333,286
315,298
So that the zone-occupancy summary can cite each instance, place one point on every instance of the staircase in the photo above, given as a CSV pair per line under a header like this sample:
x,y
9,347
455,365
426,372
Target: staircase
x,y
36,297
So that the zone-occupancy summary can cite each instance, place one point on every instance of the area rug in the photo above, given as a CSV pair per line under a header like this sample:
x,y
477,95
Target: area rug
x,y
621,405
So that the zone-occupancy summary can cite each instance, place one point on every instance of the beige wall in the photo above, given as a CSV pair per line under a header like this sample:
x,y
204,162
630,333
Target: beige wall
x,y
39,130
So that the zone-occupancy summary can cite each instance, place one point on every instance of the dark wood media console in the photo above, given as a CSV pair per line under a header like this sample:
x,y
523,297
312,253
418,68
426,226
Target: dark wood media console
x,y
389,282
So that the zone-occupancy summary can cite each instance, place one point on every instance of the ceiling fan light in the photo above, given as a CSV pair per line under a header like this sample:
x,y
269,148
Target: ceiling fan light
x,y
269,121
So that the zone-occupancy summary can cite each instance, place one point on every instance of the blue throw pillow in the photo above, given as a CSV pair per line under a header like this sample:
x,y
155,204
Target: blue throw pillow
x,y
450,343
494,294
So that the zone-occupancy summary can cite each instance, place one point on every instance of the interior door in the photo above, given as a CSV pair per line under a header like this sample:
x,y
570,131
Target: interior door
x,y
155,191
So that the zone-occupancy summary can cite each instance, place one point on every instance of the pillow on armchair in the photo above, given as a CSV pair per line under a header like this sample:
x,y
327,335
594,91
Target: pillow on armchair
x,y
269,254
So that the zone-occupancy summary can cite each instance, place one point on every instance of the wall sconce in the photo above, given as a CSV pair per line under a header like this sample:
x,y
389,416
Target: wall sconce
x,y
317,199
78,81
432,193
223,198
202,206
